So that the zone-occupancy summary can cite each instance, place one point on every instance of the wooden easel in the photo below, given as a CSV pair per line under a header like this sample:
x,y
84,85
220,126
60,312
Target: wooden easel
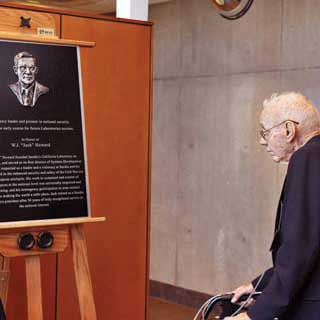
x,y
65,232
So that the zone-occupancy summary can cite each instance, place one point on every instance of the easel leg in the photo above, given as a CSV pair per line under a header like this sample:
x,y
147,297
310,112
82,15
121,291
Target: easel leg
x,y
34,295
4,279
82,273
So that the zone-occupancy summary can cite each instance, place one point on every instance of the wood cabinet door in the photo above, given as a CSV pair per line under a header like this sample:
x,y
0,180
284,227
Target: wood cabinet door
x,y
10,21
116,86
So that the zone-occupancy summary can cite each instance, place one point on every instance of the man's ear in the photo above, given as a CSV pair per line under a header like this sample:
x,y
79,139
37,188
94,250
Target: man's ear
x,y
15,69
290,131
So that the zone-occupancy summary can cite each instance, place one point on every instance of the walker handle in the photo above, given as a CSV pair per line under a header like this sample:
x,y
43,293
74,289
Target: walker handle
x,y
228,297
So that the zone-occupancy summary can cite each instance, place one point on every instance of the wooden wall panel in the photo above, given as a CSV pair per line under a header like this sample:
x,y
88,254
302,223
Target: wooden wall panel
x,y
116,77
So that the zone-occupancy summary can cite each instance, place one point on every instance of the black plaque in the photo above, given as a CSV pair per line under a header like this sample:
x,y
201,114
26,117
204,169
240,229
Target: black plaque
x,y
42,153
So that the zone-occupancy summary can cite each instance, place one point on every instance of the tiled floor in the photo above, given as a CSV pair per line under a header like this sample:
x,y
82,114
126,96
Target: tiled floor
x,y
162,310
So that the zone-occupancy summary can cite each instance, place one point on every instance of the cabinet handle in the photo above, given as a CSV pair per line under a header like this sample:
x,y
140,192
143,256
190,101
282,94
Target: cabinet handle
x,y
25,22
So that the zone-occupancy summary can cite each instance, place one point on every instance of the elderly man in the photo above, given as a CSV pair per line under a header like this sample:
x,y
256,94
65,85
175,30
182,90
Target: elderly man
x,y
27,89
291,288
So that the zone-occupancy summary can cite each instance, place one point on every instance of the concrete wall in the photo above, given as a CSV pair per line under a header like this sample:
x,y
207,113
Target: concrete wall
x,y
215,190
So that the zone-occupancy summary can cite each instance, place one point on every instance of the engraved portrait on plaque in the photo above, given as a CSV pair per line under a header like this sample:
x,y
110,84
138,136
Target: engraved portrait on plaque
x,y
27,89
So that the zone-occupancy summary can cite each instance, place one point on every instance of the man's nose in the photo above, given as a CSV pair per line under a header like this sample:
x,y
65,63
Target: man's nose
x,y
263,141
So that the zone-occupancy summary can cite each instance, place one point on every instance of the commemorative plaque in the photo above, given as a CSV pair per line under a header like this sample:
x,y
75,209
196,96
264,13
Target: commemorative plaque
x,y
42,140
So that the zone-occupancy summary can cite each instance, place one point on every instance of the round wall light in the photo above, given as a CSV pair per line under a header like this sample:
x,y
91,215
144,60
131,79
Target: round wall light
x,y
232,9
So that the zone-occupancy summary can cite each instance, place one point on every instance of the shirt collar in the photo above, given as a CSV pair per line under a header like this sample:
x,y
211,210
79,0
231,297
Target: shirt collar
x,y
27,91
314,138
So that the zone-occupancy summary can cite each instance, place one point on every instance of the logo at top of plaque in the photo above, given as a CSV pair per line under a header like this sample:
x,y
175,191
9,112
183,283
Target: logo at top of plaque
x,y
27,89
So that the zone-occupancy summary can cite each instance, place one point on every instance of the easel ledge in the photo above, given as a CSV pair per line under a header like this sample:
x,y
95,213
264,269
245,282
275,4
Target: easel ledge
x,y
49,222
41,39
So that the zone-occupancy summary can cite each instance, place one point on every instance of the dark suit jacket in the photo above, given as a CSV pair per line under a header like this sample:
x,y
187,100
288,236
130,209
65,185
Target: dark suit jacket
x,y
291,288
39,90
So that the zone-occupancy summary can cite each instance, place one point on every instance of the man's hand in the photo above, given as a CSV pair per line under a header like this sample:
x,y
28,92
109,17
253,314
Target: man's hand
x,y
241,316
242,290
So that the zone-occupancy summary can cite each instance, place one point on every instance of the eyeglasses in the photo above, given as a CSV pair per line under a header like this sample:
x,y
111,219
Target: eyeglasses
x,y
24,68
264,132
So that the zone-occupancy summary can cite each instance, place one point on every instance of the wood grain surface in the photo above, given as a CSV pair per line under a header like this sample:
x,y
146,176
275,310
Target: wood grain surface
x,y
116,86
48,223
82,274
10,21
41,39
4,279
71,12
98,6
9,244
34,294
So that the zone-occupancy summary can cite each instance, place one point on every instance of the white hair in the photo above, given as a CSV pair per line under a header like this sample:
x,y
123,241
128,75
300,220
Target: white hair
x,y
292,106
